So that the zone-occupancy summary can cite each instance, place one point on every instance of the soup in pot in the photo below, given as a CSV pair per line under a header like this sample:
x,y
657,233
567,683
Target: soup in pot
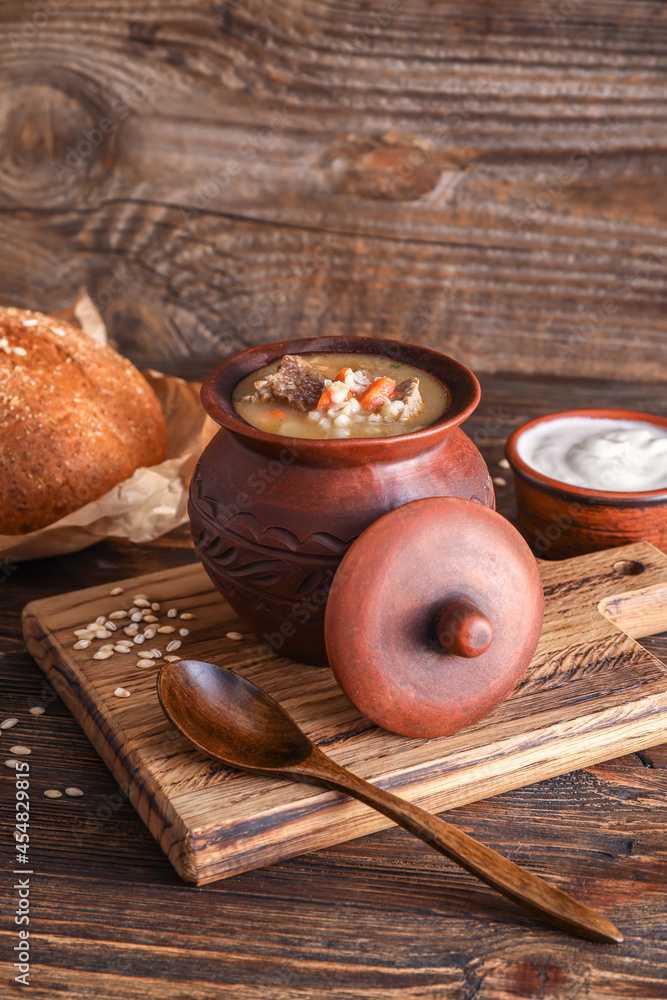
x,y
339,396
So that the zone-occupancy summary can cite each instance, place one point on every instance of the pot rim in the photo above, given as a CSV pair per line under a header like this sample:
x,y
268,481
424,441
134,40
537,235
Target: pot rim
x,y
462,386
612,498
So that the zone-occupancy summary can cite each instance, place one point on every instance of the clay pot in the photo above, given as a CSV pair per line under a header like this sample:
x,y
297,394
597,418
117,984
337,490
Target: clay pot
x,y
272,516
559,521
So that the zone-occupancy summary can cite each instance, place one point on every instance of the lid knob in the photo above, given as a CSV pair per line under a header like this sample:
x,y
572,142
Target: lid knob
x,y
462,629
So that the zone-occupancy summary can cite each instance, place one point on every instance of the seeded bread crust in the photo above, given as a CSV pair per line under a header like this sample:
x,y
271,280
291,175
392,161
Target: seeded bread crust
x,y
76,419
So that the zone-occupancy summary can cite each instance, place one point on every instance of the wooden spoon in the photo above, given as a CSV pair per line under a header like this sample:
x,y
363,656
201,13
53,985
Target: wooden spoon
x,y
227,717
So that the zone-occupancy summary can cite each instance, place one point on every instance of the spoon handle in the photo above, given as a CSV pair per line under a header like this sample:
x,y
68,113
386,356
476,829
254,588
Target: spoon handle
x,y
516,883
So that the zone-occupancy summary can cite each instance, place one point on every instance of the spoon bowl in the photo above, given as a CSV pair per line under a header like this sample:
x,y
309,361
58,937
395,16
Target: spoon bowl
x,y
230,718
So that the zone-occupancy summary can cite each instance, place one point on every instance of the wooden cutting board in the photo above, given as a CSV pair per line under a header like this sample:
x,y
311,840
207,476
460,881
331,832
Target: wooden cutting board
x,y
591,693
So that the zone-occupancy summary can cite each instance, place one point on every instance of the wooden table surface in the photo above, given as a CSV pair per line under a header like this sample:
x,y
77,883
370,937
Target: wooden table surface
x,y
380,917
215,171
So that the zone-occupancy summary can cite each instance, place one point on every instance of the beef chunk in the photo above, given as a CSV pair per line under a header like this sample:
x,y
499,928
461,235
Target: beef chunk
x,y
296,382
409,394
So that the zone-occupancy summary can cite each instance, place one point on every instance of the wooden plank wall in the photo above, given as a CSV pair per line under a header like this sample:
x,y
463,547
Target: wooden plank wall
x,y
487,178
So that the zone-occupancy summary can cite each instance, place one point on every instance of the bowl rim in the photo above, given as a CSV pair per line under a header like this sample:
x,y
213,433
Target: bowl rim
x,y
217,385
612,497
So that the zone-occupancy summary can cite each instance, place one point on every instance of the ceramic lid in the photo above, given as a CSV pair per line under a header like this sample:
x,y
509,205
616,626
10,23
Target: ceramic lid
x,y
433,616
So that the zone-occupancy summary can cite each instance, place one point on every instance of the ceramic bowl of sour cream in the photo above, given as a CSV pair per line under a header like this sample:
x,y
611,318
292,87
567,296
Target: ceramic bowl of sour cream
x,y
590,479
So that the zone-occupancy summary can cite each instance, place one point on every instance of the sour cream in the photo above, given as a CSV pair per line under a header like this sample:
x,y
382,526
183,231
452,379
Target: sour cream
x,y
618,456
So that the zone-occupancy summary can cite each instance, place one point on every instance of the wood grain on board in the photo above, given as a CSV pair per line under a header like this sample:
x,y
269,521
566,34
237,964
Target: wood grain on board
x,y
486,181
591,693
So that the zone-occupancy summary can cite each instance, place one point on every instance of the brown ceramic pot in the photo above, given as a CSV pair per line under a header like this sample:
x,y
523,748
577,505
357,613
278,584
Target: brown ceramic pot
x,y
558,520
273,516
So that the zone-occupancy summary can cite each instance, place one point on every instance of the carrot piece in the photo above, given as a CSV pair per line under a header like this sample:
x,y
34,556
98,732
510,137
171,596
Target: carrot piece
x,y
340,377
378,393
325,400
277,413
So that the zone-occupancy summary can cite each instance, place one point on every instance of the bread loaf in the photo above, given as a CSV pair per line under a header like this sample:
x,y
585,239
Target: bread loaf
x,y
76,419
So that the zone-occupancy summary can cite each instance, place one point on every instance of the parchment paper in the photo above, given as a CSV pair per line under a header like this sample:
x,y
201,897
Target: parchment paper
x,y
153,500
